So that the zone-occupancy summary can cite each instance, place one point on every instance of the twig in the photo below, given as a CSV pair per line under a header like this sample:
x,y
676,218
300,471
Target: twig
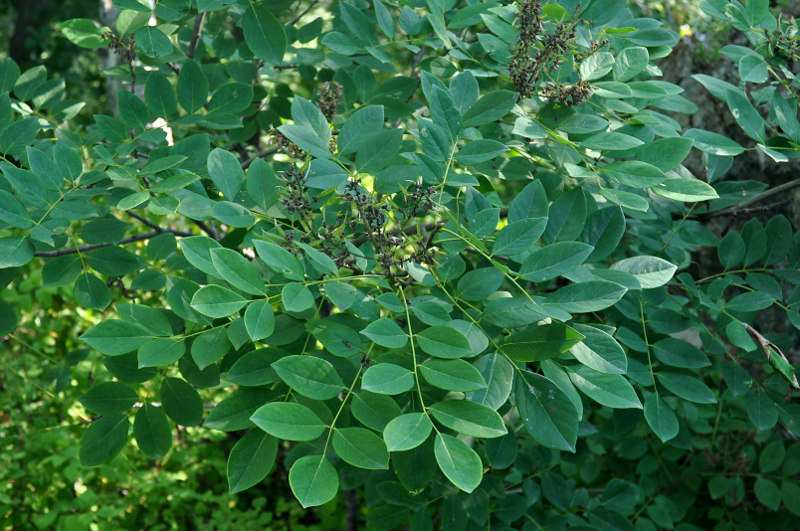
x,y
306,10
131,239
263,153
205,228
146,221
198,27
742,208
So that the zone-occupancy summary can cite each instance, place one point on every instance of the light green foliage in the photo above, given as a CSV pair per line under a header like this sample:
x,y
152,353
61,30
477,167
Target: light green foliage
x,y
439,252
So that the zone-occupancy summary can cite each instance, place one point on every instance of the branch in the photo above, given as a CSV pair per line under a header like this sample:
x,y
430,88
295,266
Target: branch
x,y
306,10
198,26
263,153
146,221
205,228
744,207
131,239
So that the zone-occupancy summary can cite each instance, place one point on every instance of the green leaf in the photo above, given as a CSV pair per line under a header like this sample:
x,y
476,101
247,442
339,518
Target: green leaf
x,y
731,250
254,368
278,259
548,413
540,342
210,346
289,421
630,62
376,154
767,493
634,173
444,342
387,379
160,95
226,172
661,418
234,412
160,352
237,270
13,212
341,294
360,127
313,480
8,319
264,34
590,296
596,66
152,431
687,387
15,252
714,143
489,108
469,418
761,409
296,297
531,202
9,74
151,41
104,439
83,32
386,333
259,320
319,260
611,140
340,43
192,85
91,292
686,190
338,339
407,431
479,151
745,115
518,236
650,271
233,214
197,250
374,411
679,353
599,351
263,185
356,22
181,402
324,174
548,262
132,110
478,284
610,390
113,261
771,457
459,463
312,377
750,302
452,375
738,380
216,301
108,398
206,6
498,373
115,337
251,460
665,153
384,18
361,448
